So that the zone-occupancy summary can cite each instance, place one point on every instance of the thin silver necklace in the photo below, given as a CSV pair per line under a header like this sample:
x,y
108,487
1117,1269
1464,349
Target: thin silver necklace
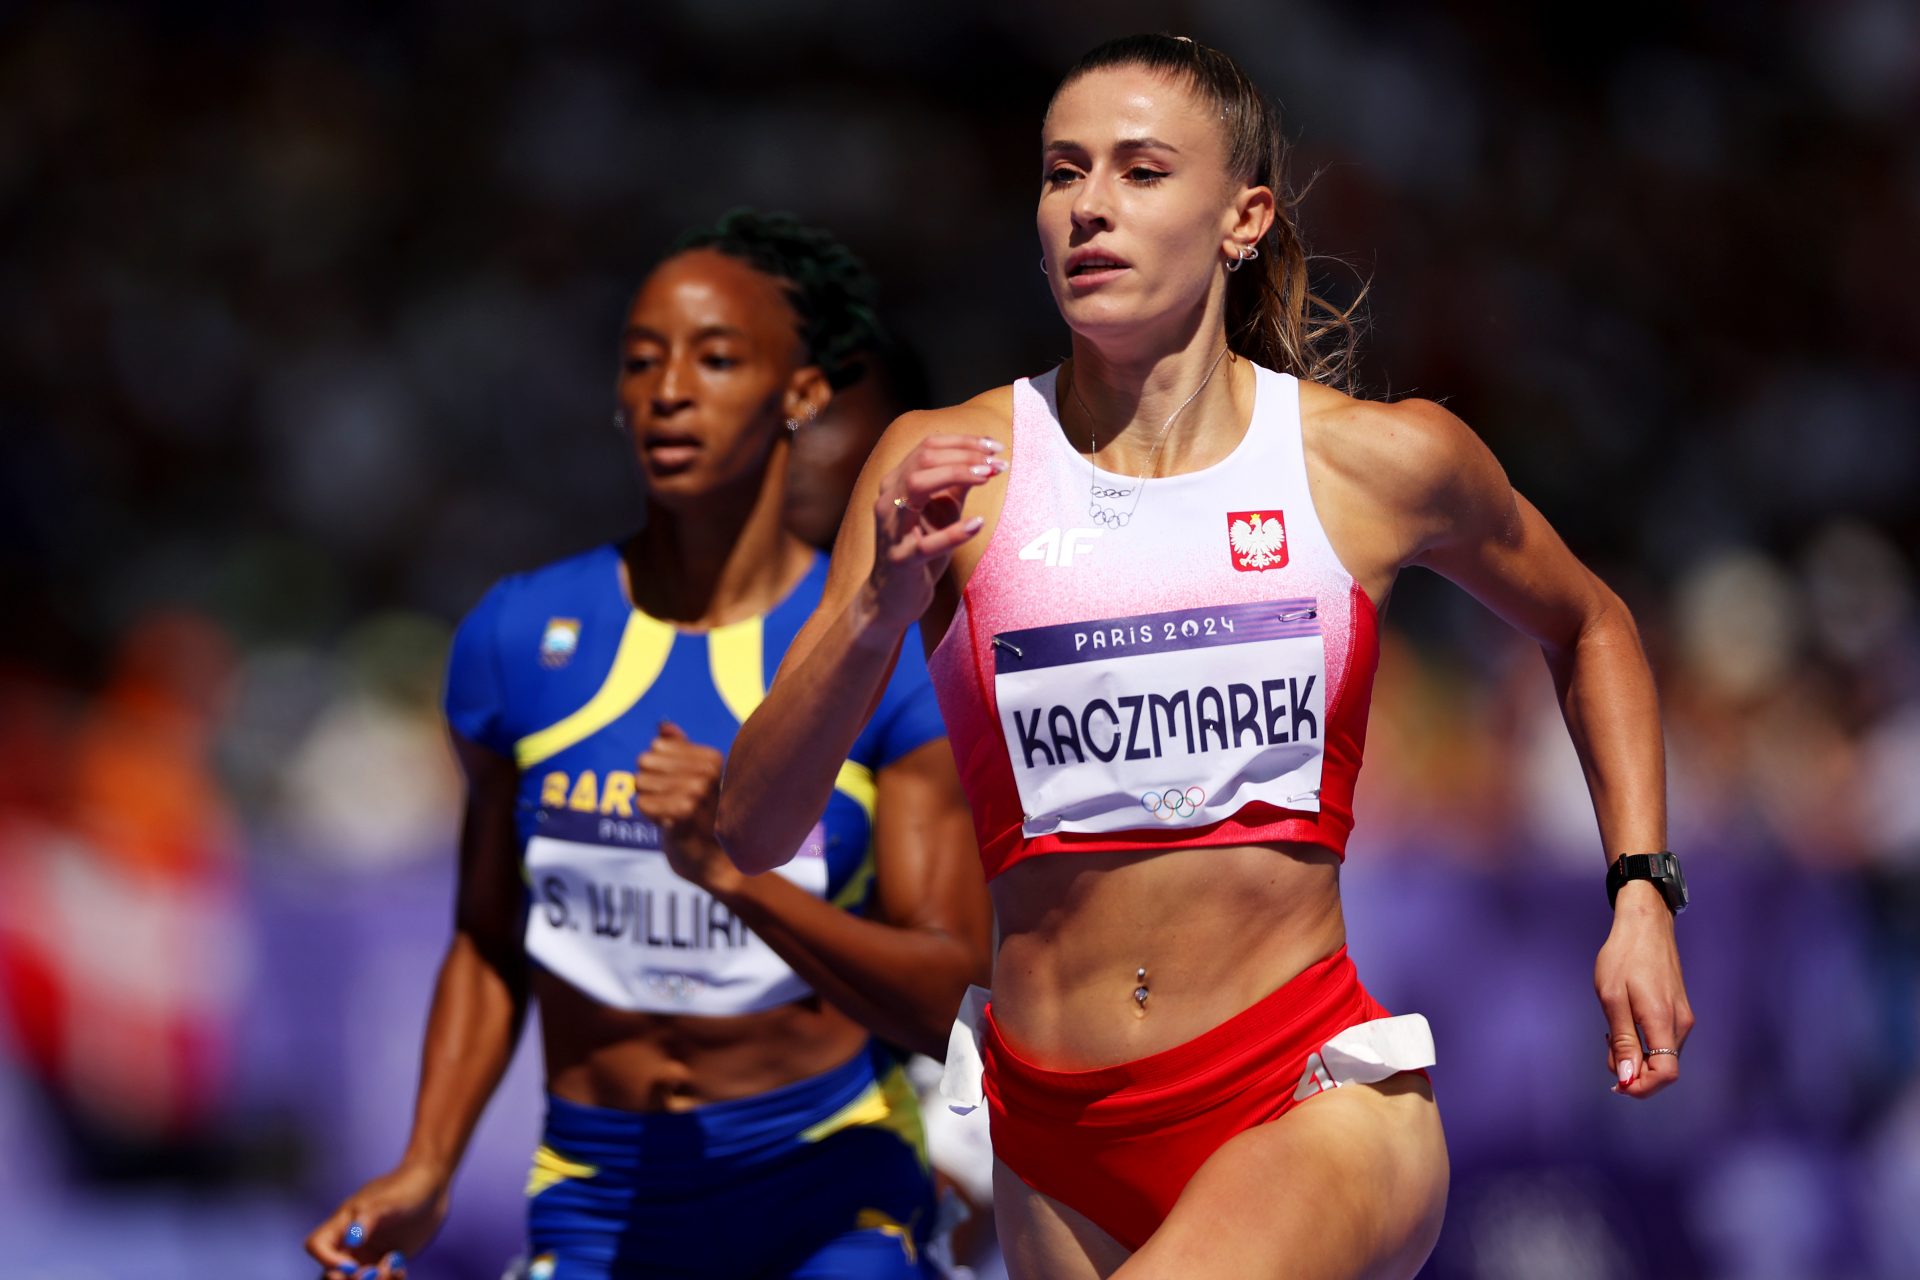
x,y
1111,517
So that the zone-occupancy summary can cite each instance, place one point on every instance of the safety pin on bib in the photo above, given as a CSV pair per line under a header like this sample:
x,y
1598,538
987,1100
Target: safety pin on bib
x,y
1299,615
1009,646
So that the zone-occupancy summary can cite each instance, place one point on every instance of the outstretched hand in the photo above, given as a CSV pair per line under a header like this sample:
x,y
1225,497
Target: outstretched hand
x,y
1637,978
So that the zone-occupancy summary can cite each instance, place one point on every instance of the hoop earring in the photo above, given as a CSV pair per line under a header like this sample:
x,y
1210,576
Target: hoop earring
x,y
1043,264
1247,254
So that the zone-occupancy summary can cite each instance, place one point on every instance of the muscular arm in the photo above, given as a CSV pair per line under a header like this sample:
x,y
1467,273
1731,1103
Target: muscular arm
x,y
1476,531
1451,508
902,972
479,1004
480,1000
886,565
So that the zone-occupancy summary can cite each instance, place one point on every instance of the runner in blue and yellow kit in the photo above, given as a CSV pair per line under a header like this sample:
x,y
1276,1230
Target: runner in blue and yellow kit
x,y
722,1097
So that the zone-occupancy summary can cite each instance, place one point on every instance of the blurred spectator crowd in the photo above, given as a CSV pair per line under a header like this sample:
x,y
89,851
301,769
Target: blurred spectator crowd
x,y
311,314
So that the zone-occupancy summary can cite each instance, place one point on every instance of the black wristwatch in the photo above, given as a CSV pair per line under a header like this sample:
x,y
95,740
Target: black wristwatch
x,y
1661,868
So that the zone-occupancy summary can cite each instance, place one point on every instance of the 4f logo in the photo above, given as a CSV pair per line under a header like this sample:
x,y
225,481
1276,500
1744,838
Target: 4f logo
x,y
1056,548
1257,539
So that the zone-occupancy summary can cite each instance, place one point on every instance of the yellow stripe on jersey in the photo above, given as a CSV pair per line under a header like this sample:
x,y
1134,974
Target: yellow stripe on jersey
x,y
644,646
854,891
738,663
737,658
856,781
550,1168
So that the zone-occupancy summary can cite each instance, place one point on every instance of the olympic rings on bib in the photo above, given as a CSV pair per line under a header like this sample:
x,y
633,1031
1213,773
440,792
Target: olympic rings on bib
x,y
1173,804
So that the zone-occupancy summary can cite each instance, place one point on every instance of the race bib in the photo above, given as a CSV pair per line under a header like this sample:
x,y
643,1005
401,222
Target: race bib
x,y
1175,718
611,917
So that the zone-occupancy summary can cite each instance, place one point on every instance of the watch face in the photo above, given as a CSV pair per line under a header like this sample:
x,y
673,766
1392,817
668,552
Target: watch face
x,y
1672,882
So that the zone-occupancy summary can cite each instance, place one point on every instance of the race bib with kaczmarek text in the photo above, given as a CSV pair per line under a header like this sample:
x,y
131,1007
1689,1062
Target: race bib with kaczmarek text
x,y
1175,718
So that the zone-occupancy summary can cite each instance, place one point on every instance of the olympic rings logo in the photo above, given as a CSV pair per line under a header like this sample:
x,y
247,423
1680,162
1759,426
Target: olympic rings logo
x,y
1109,517
1173,804
1101,491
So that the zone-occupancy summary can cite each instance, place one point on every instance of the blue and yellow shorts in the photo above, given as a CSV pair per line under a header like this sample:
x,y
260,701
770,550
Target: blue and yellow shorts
x,y
826,1177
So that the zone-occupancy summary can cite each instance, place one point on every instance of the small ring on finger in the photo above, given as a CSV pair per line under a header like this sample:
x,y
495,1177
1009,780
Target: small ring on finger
x,y
900,503
1655,1052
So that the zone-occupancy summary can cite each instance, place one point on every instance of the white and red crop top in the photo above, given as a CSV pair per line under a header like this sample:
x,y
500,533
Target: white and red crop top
x,y
1198,675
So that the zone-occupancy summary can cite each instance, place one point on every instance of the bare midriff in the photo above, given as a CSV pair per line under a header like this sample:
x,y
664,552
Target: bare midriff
x,y
1216,929
605,1057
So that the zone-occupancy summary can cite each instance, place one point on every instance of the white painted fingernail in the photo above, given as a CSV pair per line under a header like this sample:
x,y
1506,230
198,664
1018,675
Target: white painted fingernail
x,y
974,525
990,444
1626,1071
981,469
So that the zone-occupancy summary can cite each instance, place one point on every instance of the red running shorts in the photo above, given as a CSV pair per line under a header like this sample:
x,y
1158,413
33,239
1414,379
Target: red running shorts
x,y
1118,1144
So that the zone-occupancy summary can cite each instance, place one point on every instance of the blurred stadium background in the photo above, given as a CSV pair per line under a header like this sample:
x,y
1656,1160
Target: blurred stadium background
x,y
310,313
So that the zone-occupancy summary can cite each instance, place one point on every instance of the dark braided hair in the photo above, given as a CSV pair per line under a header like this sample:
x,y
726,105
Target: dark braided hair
x,y
828,288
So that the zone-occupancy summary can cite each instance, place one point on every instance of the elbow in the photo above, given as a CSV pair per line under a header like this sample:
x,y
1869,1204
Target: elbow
x,y
1611,621
1605,623
748,851
930,1039
934,1027
740,837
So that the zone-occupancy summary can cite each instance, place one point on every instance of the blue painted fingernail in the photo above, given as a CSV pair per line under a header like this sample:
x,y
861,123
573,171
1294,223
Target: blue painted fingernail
x,y
368,1273
356,1235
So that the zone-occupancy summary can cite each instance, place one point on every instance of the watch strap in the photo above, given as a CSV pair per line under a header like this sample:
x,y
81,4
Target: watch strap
x,y
1663,868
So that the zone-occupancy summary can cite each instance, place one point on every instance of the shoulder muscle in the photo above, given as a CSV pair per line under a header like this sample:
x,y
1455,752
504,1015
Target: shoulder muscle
x,y
1422,470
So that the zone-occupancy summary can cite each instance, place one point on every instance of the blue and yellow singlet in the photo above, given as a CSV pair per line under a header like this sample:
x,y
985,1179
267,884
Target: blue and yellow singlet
x,y
827,1176
558,671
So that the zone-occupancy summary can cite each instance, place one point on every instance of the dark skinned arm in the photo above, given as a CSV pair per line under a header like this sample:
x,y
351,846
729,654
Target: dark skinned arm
x,y
902,972
479,1005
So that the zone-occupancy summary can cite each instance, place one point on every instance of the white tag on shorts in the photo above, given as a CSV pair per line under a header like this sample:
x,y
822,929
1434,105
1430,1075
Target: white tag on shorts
x,y
1174,719
963,1081
1367,1053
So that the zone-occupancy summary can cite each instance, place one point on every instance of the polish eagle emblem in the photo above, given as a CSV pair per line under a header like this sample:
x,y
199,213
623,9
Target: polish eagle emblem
x,y
1258,539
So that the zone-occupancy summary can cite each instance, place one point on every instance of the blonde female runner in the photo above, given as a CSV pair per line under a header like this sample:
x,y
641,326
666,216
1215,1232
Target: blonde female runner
x,y
1152,578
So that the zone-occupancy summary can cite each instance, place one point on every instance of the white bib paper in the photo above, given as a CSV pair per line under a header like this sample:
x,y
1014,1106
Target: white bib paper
x,y
1175,718
611,917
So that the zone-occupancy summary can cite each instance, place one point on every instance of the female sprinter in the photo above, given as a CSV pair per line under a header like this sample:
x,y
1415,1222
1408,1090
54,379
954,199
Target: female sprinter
x,y
721,1104
1154,575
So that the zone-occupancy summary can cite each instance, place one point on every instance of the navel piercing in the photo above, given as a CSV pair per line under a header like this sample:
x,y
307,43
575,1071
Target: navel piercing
x,y
1140,993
